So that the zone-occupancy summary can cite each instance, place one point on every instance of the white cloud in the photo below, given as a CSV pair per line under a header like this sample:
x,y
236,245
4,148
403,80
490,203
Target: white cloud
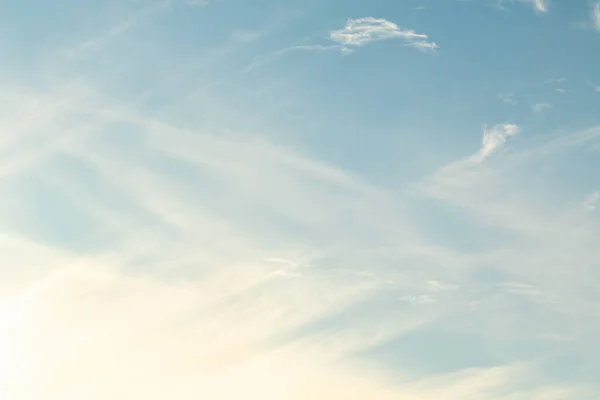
x,y
508,98
70,323
596,15
590,202
362,31
540,107
204,231
494,139
541,5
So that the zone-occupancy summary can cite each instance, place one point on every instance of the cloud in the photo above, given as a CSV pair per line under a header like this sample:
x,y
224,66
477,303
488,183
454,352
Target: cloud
x,y
363,31
191,298
201,3
541,5
590,202
508,98
596,15
494,139
540,107
261,60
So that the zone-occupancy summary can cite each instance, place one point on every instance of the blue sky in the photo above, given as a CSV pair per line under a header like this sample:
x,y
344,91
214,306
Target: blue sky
x,y
299,200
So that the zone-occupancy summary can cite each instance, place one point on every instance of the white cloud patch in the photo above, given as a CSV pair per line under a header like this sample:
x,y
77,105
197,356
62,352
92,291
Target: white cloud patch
x,y
201,3
596,15
590,202
508,98
494,139
541,107
362,31
541,5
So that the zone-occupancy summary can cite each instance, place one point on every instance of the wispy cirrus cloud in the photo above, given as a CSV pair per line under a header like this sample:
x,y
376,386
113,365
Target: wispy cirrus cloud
x,y
596,15
541,107
494,139
590,202
508,98
539,6
362,31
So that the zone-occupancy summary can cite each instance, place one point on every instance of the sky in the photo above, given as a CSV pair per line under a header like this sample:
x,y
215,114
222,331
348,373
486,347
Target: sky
x,y
300,199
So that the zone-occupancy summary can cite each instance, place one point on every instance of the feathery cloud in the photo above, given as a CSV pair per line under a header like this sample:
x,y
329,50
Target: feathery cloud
x,y
596,15
362,31
541,5
508,98
494,139
540,107
590,202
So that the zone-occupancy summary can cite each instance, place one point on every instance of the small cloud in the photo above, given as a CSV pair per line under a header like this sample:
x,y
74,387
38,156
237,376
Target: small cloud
x,y
258,61
362,31
541,5
420,8
419,299
559,90
519,288
281,261
596,15
201,3
558,81
590,202
494,139
508,98
540,107
437,286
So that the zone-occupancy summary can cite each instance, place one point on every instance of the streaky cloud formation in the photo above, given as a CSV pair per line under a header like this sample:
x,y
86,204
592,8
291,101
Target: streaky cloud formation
x,y
362,31
596,15
325,227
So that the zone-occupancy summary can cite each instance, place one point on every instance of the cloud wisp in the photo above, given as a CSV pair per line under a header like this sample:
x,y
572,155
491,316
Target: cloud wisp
x,y
590,202
363,31
508,98
596,15
539,6
494,139
541,107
